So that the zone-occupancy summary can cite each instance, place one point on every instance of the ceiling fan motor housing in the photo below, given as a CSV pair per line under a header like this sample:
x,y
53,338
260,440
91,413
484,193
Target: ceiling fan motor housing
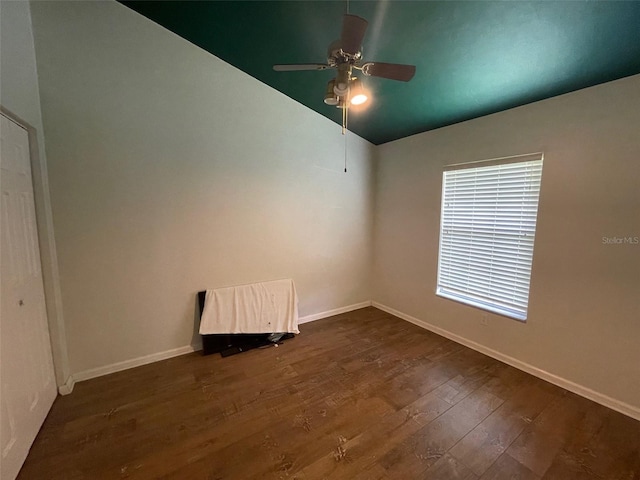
x,y
337,56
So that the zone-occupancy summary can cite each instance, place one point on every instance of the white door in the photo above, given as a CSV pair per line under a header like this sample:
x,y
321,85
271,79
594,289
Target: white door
x,y
27,383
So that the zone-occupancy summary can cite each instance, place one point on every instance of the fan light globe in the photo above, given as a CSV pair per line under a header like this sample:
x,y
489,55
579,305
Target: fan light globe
x,y
358,94
359,99
341,88
330,97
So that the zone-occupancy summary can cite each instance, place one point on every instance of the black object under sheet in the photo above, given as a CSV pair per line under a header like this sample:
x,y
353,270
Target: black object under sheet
x,y
231,343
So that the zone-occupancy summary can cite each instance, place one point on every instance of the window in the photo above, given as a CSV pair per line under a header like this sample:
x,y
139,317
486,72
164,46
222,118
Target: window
x,y
487,229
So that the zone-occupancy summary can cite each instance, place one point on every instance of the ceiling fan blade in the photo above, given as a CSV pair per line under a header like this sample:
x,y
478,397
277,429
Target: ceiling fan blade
x,y
300,67
392,71
353,30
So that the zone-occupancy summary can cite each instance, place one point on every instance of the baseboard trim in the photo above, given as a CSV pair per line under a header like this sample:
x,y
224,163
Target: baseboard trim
x,y
335,311
67,387
156,357
612,403
134,362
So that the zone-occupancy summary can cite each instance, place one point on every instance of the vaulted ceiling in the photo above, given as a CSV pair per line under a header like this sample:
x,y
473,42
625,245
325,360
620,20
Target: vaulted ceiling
x,y
473,58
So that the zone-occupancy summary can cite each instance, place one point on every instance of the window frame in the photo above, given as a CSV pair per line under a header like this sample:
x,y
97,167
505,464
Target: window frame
x,y
531,177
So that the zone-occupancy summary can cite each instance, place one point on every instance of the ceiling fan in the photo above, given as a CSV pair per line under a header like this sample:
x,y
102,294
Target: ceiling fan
x,y
345,55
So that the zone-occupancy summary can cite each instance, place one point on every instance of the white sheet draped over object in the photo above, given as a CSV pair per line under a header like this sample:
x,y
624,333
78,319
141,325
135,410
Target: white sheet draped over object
x,y
266,307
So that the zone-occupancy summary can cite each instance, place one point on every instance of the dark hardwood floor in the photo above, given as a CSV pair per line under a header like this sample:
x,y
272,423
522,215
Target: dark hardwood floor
x,y
362,395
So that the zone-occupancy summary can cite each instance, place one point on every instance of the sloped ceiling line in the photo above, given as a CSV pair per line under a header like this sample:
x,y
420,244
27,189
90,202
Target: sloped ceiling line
x,y
472,58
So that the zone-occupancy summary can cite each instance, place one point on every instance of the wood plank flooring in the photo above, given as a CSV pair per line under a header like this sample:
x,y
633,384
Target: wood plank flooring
x,y
363,395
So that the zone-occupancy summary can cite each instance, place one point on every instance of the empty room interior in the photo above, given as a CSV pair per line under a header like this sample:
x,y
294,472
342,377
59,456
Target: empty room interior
x,y
457,258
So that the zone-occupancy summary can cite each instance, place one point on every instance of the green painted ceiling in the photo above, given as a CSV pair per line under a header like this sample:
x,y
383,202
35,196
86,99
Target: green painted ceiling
x,y
473,58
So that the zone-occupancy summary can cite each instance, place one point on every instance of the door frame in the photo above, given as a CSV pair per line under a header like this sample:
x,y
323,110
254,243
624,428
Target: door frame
x,y
48,255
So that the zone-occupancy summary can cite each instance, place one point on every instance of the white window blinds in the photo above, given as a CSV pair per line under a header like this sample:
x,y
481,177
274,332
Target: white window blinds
x,y
487,230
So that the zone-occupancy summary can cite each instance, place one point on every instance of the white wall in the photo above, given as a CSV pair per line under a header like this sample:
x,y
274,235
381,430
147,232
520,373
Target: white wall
x,y
173,172
20,97
584,307
166,181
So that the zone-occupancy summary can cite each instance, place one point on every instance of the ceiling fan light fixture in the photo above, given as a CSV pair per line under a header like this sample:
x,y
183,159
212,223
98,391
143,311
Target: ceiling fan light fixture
x,y
341,85
341,89
358,94
330,98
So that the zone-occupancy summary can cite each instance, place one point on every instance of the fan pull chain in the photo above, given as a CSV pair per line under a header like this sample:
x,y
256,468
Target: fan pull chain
x,y
344,120
345,153
345,116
